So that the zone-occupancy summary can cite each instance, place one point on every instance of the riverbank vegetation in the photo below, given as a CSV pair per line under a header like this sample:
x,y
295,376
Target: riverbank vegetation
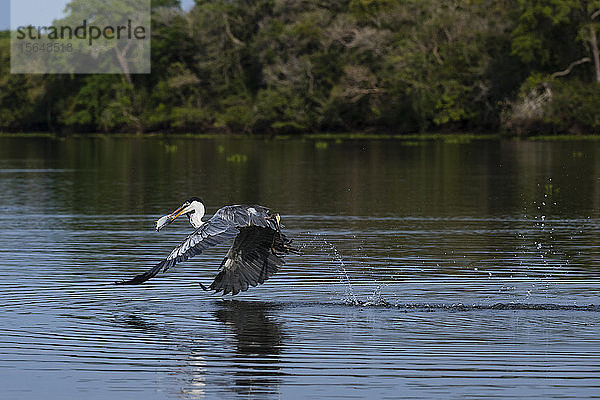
x,y
287,66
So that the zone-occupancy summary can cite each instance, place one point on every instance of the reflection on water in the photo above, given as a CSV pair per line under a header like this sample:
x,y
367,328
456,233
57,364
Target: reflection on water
x,y
439,270
258,340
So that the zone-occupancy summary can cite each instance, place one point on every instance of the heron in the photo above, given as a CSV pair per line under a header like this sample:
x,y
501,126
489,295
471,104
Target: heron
x,y
258,249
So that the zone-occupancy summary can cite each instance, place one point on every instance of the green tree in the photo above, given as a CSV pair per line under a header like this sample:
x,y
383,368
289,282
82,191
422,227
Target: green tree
x,y
556,35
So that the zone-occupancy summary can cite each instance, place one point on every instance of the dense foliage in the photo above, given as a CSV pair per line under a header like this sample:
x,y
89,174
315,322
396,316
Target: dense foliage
x,y
336,65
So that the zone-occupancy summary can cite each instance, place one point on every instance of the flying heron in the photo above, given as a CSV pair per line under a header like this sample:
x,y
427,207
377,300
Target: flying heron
x,y
256,254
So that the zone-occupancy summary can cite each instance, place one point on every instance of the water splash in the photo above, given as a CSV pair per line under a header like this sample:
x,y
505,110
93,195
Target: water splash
x,y
350,297
376,299
461,307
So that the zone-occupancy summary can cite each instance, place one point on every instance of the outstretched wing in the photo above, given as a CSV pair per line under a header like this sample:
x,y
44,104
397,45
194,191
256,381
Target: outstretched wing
x,y
222,226
256,254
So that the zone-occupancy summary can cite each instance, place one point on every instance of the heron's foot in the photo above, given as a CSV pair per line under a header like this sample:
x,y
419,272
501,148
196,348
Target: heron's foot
x,y
285,249
291,249
204,287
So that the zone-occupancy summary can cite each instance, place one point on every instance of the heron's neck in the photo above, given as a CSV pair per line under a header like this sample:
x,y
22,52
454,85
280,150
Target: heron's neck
x,y
196,220
196,216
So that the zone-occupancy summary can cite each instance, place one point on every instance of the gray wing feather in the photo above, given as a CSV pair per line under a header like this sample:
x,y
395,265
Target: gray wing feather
x,y
243,215
256,254
223,225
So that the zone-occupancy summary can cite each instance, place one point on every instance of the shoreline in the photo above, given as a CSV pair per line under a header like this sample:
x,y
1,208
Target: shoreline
x,y
446,137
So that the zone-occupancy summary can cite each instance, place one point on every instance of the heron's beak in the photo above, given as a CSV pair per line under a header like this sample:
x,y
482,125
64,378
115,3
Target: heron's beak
x,y
178,212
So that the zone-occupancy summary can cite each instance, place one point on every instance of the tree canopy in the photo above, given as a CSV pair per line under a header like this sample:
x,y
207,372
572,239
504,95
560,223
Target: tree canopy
x,y
286,66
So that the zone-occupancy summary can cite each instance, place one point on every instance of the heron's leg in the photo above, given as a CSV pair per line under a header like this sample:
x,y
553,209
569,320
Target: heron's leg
x,y
277,219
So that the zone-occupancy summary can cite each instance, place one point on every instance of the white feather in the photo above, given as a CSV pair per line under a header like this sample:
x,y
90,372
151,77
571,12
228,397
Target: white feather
x,y
197,214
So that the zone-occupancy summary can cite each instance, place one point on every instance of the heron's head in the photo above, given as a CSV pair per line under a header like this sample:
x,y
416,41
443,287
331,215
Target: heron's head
x,y
193,208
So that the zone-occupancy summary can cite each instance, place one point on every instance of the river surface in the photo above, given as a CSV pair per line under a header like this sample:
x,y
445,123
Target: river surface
x,y
429,269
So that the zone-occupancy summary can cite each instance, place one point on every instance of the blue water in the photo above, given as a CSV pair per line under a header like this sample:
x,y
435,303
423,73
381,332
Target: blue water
x,y
439,274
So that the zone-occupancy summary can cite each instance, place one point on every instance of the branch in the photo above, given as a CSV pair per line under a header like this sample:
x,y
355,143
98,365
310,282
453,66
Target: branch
x,y
355,94
122,58
436,54
570,67
228,31
595,14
